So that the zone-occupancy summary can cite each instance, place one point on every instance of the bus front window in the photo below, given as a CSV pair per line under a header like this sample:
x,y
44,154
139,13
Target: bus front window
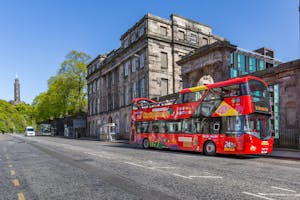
x,y
258,126
233,126
258,91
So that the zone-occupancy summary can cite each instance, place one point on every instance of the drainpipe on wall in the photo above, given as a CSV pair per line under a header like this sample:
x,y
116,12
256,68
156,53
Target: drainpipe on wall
x,y
173,56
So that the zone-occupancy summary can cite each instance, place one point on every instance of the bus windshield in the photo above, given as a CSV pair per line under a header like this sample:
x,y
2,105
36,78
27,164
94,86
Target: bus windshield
x,y
257,125
258,90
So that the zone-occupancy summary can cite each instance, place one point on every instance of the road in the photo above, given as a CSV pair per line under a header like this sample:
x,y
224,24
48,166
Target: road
x,y
58,168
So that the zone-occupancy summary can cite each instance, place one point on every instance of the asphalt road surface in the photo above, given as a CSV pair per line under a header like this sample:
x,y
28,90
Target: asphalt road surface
x,y
58,168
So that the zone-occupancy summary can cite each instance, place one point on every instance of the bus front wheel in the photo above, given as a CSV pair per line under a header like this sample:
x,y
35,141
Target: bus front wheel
x,y
146,143
210,148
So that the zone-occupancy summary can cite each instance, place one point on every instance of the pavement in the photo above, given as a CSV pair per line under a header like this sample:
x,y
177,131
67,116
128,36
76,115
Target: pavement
x,y
285,153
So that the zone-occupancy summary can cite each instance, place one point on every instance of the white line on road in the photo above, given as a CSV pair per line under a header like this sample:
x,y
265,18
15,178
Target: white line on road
x,y
174,174
256,195
163,167
205,176
279,194
98,155
186,177
93,154
138,165
284,189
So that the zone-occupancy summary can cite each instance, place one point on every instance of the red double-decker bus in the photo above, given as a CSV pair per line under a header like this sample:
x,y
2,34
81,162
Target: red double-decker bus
x,y
228,117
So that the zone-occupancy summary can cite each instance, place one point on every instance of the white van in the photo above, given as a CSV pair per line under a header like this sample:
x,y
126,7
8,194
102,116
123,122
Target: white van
x,y
29,131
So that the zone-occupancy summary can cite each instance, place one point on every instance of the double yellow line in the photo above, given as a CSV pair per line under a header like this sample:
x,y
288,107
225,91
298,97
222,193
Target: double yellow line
x,y
16,183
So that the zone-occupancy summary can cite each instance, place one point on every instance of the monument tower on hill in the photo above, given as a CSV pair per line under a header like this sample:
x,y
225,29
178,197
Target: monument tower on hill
x,y
17,98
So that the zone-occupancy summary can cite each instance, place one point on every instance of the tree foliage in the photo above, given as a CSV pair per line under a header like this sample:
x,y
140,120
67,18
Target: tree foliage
x,y
66,94
14,118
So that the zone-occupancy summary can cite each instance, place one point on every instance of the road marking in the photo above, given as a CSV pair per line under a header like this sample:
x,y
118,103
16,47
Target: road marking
x,y
284,189
6,156
16,182
163,167
256,195
98,155
138,165
174,174
21,196
12,172
205,177
93,154
10,166
279,194
186,177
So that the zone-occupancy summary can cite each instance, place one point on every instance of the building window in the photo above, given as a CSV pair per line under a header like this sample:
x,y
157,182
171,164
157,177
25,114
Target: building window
x,y
89,89
112,78
233,73
232,59
127,120
164,60
117,125
141,30
181,35
261,65
107,106
98,85
133,37
194,38
142,60
94,87
113,101
133,90
94,107
126,68
241,64
106,81
133,65
252,65
126,43
164,87
163,31
126,95
142,88
98,105
204,41
276,110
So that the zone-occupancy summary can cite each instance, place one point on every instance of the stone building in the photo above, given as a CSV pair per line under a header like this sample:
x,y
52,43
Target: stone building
x,y
222,60
285,89
144,66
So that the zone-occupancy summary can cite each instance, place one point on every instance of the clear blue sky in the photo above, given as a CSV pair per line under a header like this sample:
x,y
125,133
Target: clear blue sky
x,y
36,35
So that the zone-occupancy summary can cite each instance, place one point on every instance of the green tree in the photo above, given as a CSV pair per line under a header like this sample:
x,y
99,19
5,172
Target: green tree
x,y
75,68
14,118
66,94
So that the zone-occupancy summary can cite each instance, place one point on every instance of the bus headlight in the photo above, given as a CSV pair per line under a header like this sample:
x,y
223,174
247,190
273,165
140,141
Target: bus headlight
x,y
252,148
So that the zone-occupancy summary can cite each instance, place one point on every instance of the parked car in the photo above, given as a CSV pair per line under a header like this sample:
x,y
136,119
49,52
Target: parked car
x,y
29,131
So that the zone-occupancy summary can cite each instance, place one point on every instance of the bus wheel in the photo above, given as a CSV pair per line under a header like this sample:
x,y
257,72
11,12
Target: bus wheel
x,y
210,148
146,143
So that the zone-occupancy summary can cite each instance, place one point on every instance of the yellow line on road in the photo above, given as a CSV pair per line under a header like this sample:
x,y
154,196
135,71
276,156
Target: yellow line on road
x,y
12,172
16,182
21,196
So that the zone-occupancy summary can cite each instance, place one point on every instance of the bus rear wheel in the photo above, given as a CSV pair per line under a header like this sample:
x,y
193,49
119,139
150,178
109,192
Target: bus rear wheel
x,y
210,148
146,143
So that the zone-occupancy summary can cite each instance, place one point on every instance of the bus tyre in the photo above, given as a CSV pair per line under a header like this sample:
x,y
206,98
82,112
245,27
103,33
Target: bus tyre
x,y
146,143
210,148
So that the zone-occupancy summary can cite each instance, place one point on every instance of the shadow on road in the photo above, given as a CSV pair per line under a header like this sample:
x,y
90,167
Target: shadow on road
x,y
169,151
